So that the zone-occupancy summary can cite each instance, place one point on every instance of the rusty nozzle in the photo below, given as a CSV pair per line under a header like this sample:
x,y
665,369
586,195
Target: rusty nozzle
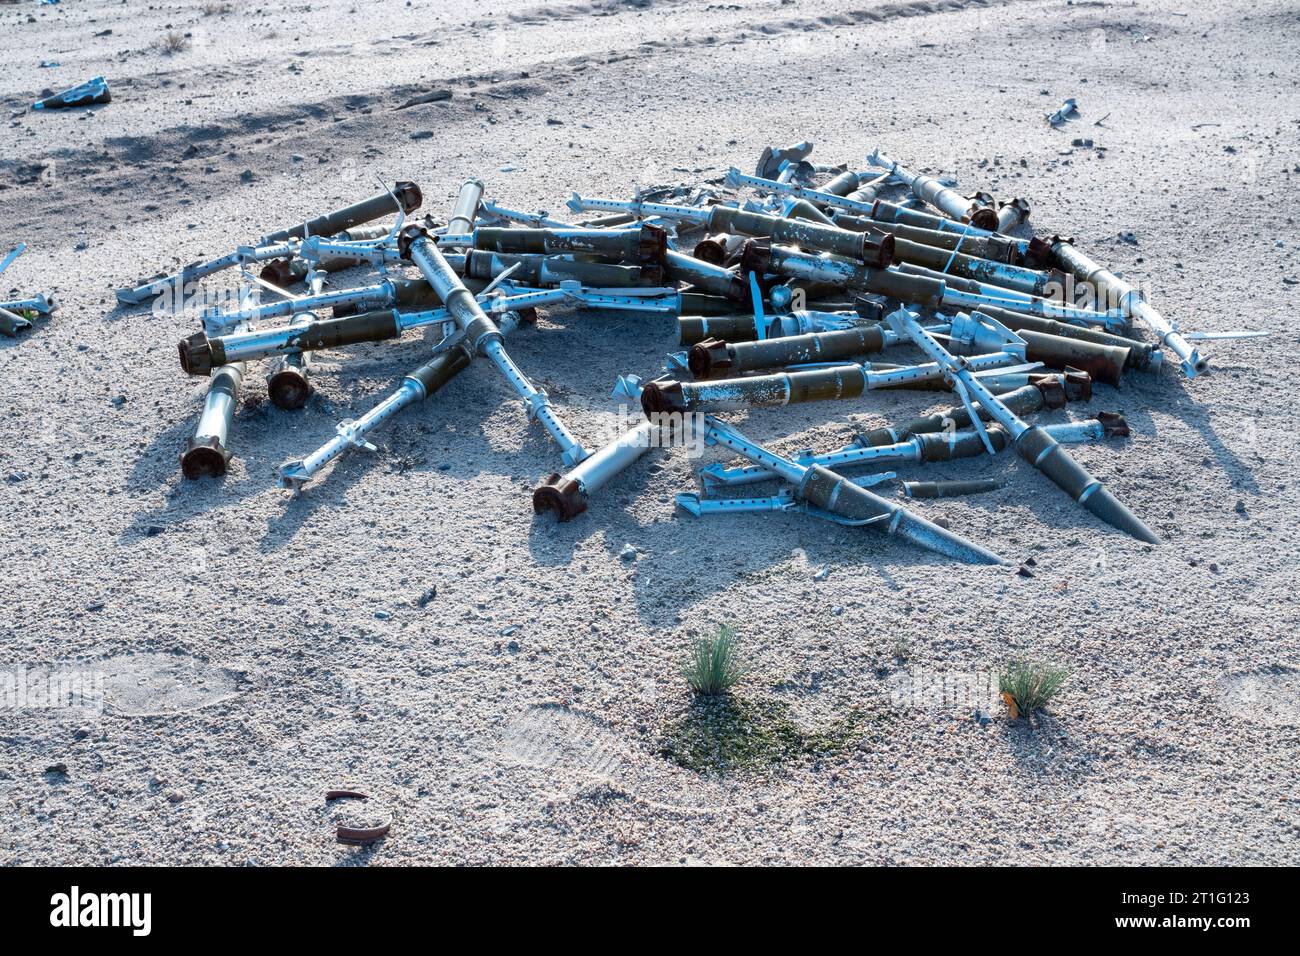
x,y
196,354
560,495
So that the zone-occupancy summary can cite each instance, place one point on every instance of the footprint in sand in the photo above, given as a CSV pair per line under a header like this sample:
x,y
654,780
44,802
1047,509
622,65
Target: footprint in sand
x,y
583,750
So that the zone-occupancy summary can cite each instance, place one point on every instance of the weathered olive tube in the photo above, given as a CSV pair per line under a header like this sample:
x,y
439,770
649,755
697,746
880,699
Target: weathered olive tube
x,y
552,270
873,248
11,323
1104,363
803,209
1026,400
368,210
1139,353
827,490
1012,213
414,293
755,391
997,248
711,279
849,182
733,328
891,283
200,354
443,367
610,221
950,446
953,203
715,356
949,489
466,208
207,453
1001,274
889,212
566,495
1042,451
700,303
643,243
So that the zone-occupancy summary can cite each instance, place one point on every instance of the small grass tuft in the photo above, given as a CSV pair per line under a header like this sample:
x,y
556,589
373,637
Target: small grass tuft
x,y
212,9
715,666
1029,686
172,42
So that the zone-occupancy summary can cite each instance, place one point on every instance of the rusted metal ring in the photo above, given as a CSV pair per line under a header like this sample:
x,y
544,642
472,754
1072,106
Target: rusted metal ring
x,y
357,836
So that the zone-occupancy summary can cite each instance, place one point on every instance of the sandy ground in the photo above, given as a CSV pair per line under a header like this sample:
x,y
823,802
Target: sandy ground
x,y
258,649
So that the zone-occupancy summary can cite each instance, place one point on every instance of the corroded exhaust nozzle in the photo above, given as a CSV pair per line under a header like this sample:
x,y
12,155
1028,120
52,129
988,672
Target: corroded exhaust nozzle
x,y
562,496
196,354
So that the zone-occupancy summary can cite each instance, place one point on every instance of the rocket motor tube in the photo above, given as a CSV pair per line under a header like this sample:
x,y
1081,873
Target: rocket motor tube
x,y
953,204
1110,286
703,304
692,329
717,249
827,490
949,489
466,208
643,243
949,446
714,356
412,292
1103,363
890,212
207,453
1012,213
552,270
873,248
200,354
11,323
408,196
442,368
1001,274
754,391
996,248
919,290
705,277
1026,400
1139,353
287,380
1042,451
566,495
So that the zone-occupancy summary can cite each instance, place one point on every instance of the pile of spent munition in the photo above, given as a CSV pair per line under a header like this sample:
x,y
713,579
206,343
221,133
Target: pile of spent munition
x,y
786,286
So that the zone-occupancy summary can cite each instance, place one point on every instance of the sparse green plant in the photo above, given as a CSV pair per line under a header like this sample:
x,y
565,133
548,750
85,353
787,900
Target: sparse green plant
x,y
729,735
715,666
172,42
1029,686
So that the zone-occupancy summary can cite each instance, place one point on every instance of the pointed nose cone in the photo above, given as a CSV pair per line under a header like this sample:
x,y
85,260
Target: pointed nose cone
x,y
930,536
1042,451
1112,511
